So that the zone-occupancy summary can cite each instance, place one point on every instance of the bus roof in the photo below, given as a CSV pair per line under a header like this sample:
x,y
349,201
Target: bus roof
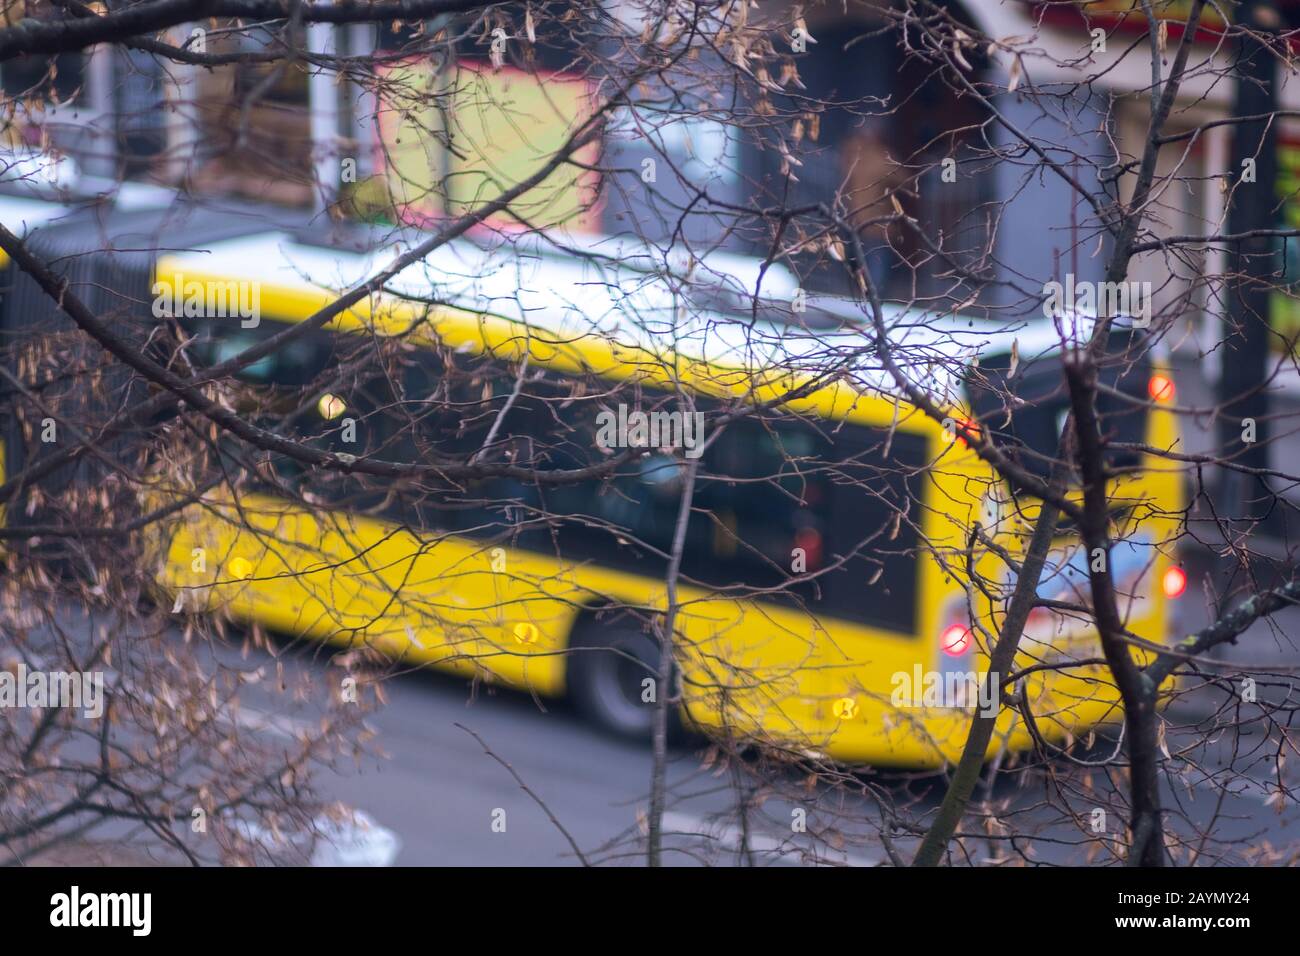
x,y
628,315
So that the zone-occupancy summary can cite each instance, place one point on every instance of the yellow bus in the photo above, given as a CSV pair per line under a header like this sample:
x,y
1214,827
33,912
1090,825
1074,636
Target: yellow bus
x,y
826,602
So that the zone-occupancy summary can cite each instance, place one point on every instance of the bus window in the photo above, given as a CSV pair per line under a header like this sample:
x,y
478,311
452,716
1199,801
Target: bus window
x,y
875,503
294,365
779,503
305,392
764,492
1029,428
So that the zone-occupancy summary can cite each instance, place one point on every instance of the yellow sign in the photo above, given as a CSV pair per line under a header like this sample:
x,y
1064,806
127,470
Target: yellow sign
x,y
455,139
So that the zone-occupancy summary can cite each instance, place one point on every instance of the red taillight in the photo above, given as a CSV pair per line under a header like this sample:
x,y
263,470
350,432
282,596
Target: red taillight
x,y
1174,582
971,427
1161,388
955,640
810,540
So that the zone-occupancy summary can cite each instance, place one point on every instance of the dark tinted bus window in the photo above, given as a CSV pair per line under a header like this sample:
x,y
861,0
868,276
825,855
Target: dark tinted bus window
x,y
874,512
307,391
1029,428
766,487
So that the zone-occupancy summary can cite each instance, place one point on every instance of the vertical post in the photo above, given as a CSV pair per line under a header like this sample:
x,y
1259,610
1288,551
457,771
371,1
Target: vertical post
x,y
102,146
1253,265
323,102
1218,159
365,106
181,123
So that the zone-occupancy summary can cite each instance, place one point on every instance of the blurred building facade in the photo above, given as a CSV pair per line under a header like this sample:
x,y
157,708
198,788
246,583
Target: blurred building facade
x,y
296,136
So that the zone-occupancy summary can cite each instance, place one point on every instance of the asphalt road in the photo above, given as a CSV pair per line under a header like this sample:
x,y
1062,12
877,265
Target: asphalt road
x,y
440,793
432,785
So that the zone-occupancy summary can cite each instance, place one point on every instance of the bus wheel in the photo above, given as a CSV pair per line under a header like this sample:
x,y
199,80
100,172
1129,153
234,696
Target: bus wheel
x,y
611,676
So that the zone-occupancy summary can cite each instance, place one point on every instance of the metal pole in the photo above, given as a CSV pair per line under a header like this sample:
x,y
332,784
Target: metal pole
x,y
323,97
1253,266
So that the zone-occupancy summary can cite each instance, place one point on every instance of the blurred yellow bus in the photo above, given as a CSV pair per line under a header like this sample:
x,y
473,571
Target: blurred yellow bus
x,y
825,591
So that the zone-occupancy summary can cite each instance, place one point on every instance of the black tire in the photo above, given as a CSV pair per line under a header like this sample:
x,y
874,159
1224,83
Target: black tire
x,y
608,661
